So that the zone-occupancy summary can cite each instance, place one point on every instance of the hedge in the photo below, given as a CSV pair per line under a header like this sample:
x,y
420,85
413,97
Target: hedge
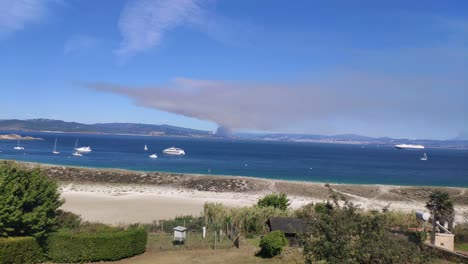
x,y
20,250
65,246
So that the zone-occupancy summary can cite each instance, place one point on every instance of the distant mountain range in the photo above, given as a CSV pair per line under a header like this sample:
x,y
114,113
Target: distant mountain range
x,y
356,139
49,125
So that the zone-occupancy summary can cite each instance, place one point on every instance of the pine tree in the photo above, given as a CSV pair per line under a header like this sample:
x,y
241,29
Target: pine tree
x,y
28,201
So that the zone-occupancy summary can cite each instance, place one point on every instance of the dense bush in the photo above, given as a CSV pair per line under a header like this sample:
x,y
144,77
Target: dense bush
x,y
279,201
67,246
67,220
272,244
345,234
20,250
28,201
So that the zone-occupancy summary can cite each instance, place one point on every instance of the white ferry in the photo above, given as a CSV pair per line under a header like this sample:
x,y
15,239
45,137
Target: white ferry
x,y
409,146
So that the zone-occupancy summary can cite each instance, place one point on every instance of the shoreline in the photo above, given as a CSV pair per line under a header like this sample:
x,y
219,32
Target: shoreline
x,y
116,196
31,163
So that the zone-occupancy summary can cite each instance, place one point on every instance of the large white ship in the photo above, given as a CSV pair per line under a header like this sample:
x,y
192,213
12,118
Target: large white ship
x,y
174,151
409,146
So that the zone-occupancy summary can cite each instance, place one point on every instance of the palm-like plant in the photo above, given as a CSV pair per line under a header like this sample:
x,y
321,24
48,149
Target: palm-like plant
x,y
441,206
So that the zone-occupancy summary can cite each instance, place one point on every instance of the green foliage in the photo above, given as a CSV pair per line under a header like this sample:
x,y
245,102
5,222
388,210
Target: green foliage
x,y
272,244
20,250
67,220
190,222
247,220
323,208
28,201
280,201
345,234
441,206
421,236
306,211
66,246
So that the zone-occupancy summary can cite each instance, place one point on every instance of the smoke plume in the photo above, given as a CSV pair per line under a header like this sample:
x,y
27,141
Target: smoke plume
x,y
276,107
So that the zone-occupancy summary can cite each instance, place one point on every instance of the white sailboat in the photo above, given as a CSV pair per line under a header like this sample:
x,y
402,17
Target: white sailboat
x,y
424,157
75,152
18,147
146,148
55,148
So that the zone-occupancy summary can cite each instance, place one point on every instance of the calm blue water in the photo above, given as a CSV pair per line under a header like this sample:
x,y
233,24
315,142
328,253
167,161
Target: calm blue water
x,y
274,160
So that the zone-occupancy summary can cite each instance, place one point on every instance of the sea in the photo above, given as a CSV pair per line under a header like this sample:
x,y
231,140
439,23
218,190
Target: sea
x,y
294,161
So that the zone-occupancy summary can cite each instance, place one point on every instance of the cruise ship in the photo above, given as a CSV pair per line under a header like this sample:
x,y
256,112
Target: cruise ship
x,y
409,146
174,151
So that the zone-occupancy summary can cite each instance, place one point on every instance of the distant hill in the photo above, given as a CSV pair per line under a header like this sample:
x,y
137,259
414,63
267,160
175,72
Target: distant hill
x,y
104,128
167,130
355,139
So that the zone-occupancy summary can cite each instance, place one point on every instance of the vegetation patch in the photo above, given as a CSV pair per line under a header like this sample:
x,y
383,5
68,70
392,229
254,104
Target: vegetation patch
x,y
28,201
20,250
103,245
272,244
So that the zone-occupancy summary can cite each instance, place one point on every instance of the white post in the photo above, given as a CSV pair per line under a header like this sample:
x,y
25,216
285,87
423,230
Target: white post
x,y
204,232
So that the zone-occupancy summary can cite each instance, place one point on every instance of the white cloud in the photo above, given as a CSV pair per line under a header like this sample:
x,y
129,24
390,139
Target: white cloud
x,y
78,43
16,14
143,23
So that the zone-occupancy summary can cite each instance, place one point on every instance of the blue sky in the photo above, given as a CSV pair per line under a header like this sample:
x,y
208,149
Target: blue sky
x,y
377,68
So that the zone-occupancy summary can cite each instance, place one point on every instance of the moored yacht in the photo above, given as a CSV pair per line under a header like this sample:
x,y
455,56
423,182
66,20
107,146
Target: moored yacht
x,y
75,151
174,151
423,157
18,147
153,156
54,151
83,149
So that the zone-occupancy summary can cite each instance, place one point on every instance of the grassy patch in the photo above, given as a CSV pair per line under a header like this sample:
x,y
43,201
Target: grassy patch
x,y
198,250
461,246
163,242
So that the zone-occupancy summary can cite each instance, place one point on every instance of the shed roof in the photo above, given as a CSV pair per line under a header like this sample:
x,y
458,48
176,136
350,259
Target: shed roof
x,y
180,228
286,224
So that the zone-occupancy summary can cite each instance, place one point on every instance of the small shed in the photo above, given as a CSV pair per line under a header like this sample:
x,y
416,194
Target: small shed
x,y
179,234
291,227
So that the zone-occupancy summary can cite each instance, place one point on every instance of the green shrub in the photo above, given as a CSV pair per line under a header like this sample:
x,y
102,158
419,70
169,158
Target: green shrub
x,y
28,201
280,201
20,250
67,220
421,236
272,244
66,246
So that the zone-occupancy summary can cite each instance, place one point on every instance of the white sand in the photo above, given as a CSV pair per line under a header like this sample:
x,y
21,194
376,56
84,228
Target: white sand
x,y
116,204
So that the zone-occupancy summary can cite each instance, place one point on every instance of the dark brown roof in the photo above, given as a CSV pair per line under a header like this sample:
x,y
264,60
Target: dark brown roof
x,y
286,225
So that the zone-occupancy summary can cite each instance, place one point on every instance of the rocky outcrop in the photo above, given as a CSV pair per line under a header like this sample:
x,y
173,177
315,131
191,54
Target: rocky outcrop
x,y
16,137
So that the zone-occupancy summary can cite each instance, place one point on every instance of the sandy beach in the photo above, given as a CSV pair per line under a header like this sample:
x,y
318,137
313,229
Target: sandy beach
x,y
120,196
118,204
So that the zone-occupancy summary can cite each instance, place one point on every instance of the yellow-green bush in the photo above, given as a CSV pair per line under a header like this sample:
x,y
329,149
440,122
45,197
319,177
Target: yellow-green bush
x,y
20,250
66,246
